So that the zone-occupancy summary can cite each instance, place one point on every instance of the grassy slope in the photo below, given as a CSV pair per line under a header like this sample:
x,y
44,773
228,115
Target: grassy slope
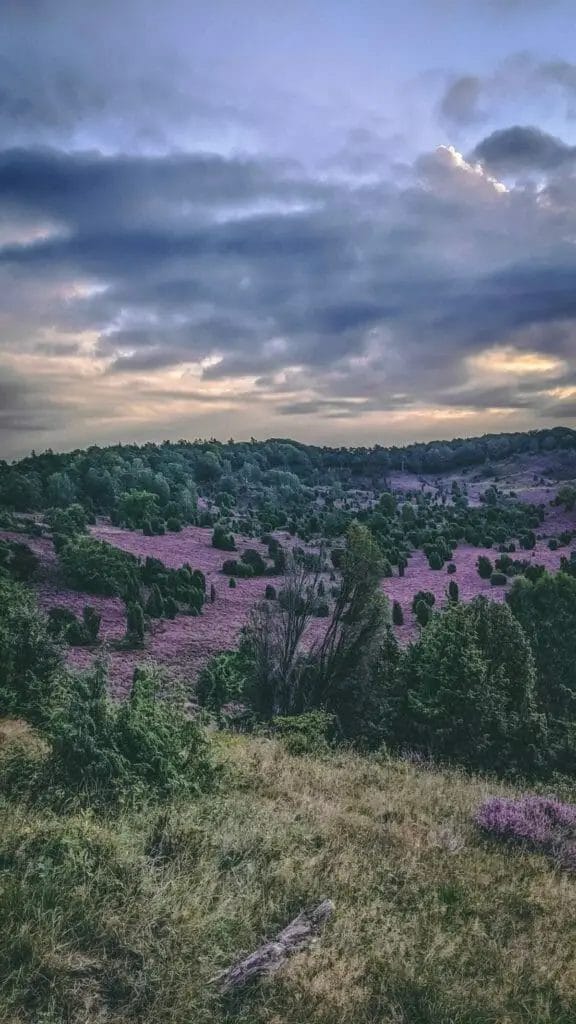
x,y
432,925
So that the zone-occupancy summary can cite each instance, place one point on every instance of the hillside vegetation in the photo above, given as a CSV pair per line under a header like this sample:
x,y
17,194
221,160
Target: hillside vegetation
x,y
127,916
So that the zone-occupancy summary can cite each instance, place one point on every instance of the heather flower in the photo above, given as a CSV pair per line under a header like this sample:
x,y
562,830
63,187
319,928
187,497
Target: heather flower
x,y
538,822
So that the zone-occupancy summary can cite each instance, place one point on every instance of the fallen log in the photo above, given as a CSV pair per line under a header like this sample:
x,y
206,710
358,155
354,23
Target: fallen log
x,y
300,933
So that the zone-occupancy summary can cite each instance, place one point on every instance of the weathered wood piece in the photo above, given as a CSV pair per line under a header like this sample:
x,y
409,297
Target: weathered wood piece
x,y
300,933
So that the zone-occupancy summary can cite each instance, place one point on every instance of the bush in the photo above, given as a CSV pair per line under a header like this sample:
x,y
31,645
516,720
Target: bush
x,y
484,567
221,681
232,583
222,539
107,750
254,559
270,593
423,595
453,591
397,614
96,567
30,660
451,568
155,603
134,625
498,579
435,560
18,559
423,613
309,733
173,524
233,568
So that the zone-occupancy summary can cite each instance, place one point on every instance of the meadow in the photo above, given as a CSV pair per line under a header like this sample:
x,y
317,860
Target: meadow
x,y
128,917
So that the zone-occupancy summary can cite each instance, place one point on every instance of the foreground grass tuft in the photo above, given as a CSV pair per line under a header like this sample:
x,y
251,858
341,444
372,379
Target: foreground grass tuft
x,y
126,919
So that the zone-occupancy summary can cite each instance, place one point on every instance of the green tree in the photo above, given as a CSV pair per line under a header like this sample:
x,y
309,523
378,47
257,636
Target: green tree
x,y
469,689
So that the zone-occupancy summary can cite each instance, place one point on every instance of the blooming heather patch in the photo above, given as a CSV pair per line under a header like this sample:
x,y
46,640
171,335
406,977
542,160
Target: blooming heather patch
x,y
539,823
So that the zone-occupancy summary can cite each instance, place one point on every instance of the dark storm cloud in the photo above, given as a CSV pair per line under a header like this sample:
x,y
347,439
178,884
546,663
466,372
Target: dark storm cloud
x,y
522,148
373,297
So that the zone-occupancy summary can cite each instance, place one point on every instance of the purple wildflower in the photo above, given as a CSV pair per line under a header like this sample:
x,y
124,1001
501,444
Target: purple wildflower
x,y
539,822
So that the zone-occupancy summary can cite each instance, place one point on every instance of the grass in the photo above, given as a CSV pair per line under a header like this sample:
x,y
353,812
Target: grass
x,y
126,919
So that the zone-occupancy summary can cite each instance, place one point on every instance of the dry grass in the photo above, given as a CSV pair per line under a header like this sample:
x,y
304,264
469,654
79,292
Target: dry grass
x,y
118,921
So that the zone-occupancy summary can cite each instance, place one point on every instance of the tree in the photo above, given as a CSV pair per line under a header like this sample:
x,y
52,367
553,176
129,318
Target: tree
x,y
134,625
469,689
135,508
453,591
273,636
546,610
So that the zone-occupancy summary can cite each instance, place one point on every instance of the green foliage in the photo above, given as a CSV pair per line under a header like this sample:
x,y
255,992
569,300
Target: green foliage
x,y
435,560
546,610
29,657
397,614
308,733
222,680
155,603
96,567
469,689
254,559
453,591
18,560
137,507
134,625
498,579
232,567
107,751
423,612
484,567
67,522
223,539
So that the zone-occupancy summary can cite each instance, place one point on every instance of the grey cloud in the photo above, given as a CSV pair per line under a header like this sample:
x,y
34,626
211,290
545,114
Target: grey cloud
x,y
522,148
460,104
371,297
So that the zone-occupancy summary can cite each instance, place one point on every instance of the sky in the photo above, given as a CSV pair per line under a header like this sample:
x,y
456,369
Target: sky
x,y
343,222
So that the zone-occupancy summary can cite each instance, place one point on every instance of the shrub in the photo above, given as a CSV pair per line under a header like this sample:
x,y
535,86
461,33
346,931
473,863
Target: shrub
x,y
30,660
528,540
134,625
484,567
155,603
18,559
221,681
451,568
254,559
232,583
170,607
96,567
498,579
270,593
173,524
423,613
308,733
423,595
233,568
397,614
222,539
453,591
435,560
106,750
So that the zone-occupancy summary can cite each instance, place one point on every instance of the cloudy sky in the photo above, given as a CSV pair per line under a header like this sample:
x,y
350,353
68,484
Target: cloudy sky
x,y
345,222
